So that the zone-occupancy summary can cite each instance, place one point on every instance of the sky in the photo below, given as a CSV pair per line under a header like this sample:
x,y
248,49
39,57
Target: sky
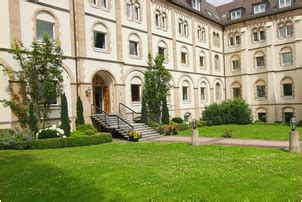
x,y
219,2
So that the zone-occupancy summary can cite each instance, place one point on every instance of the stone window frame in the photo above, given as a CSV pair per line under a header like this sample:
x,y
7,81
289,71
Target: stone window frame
x,y
258,31
134,4
184,49
162,19
257,83
140,48
108,44
188,91
233,35
220,93
163,44
203,84
287,109
236,84
98,5
201,34
259,53
57,33
217,63
286,49
287,80
285,24
203,54
235,58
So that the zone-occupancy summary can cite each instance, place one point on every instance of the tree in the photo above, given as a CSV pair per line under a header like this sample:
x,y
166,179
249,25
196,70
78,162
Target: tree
x,y
144,118
65,125
156,88
165,112
40,76
32,119
80,117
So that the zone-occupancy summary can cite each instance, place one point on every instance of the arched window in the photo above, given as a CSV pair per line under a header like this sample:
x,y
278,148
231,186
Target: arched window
x,y
104,4
258,34
136,88
287,88
259,60
185,91
236,90
235,63
133,11
285,30
286,56
45,25
157,19
261,91
134,46
186,29
234,39
218,92
164,21
136,12
217,62
203,92
261,114
287,114
163,49
100,37
184,55
180,26
202,60
200,34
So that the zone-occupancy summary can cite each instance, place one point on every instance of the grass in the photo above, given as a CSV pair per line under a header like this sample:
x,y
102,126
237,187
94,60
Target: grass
x,y
252,131
150,171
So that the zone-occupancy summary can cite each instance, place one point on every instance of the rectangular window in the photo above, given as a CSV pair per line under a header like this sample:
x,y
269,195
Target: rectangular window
x,y
288,116
259,8
236,64
201,61
162,51
282,32
136,13
135,93
286,58
157,20
236,92
289,30
183,58
262,35
238,41
99,40
261,92
262,116
255,36
287,89
203,93
196,4
104,4
185,96
232,41
129,10
260,61
133,48
236,14
44,27
284,3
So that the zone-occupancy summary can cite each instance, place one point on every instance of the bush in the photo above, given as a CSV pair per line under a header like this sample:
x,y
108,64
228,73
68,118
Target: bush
x,y
80,113
278,122
62,142
228,133
153,124
90,132
201,123
177,120
183,126
6,132
299,124
48,133
235,111
258,122
171,130
84,127
77,133
65,125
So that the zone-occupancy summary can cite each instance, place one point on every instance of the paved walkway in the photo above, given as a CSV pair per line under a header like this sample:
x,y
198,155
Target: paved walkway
x,y
227,141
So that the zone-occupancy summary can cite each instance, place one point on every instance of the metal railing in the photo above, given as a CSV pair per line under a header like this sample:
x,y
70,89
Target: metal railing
x,y
121,123
141,114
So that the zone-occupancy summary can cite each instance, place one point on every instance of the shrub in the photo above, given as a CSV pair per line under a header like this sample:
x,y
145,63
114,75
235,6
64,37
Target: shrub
x,y
84,127
48,133
63,142
6,132
201,123
177,120
77,133
134,135
278,122
171,130
65,125
153,124
80,117
90,132
228,133
299,124
165,112
258,122
235,111
183,126
32,119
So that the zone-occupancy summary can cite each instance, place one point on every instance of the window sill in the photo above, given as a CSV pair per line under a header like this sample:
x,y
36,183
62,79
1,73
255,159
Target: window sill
x,y
287,65
135,57
100,50
185,65
260,67
136,103
260,98
186,101
236,70
94,6
287,97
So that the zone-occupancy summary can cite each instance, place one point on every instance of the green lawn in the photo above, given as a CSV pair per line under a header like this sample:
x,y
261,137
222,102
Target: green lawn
x,y
252,131
150,171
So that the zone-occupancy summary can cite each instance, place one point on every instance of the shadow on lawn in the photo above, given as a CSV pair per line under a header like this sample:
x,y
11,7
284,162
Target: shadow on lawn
x,y
39,181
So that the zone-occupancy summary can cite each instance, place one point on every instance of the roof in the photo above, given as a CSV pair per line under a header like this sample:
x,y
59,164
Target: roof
x,y
221,14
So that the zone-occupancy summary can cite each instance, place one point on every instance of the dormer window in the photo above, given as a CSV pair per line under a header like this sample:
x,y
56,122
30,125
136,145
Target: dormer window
x,y
196,4
285,3
236,14
260,8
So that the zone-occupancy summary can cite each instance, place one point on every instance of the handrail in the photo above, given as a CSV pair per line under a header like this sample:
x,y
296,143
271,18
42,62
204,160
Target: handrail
x,y
110,115
156,121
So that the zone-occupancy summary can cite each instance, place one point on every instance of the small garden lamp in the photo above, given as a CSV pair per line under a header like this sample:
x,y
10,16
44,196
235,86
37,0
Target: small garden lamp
x,y
293,123
194,124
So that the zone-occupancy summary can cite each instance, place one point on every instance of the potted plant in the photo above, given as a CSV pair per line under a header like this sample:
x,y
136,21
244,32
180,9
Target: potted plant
x,y
171,130
134,135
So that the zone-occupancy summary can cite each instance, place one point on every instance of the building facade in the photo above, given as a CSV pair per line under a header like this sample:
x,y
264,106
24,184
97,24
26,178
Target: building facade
x,y
249,50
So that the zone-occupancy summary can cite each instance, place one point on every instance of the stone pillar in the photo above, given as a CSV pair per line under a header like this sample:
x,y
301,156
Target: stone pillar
x,y
294,144
195,135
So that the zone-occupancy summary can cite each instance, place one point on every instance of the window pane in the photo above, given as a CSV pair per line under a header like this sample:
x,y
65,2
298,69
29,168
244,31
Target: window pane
x,y
261,91
104,3
289,30
99,40
238,40
184,93
157,20
44,27
287,58
288,116
262,35
201,61
260,61
262,116
161,51
183,58
135,93
133,48
255,36
236,64
288,89
129,10
232,41
236,92
202,93
282,32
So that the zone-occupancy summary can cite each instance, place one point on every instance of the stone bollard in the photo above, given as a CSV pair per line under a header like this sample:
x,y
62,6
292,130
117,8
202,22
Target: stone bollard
x,y
195,134
294,144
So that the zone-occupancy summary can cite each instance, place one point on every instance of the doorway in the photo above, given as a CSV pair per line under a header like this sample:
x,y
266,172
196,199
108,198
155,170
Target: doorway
x,y
101,94
98,97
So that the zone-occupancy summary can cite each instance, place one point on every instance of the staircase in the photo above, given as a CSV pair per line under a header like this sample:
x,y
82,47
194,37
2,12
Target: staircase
x,y
123,124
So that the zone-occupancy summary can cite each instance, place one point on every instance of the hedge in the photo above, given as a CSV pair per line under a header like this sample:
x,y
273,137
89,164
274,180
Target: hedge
x,y
60,142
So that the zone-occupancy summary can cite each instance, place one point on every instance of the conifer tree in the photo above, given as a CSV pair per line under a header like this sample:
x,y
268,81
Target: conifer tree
x,y
80,117
32,119
165,112
65,125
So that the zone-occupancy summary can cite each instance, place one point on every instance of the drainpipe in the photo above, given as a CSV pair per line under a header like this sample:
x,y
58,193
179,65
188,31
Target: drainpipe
x,y
225,94
75,45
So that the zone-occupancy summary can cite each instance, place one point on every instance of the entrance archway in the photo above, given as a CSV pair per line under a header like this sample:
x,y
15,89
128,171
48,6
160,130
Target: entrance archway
x,y
102,85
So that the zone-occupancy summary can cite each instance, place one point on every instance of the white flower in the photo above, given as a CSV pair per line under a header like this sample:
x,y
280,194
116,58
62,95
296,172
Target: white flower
x,y
64,136
60,131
